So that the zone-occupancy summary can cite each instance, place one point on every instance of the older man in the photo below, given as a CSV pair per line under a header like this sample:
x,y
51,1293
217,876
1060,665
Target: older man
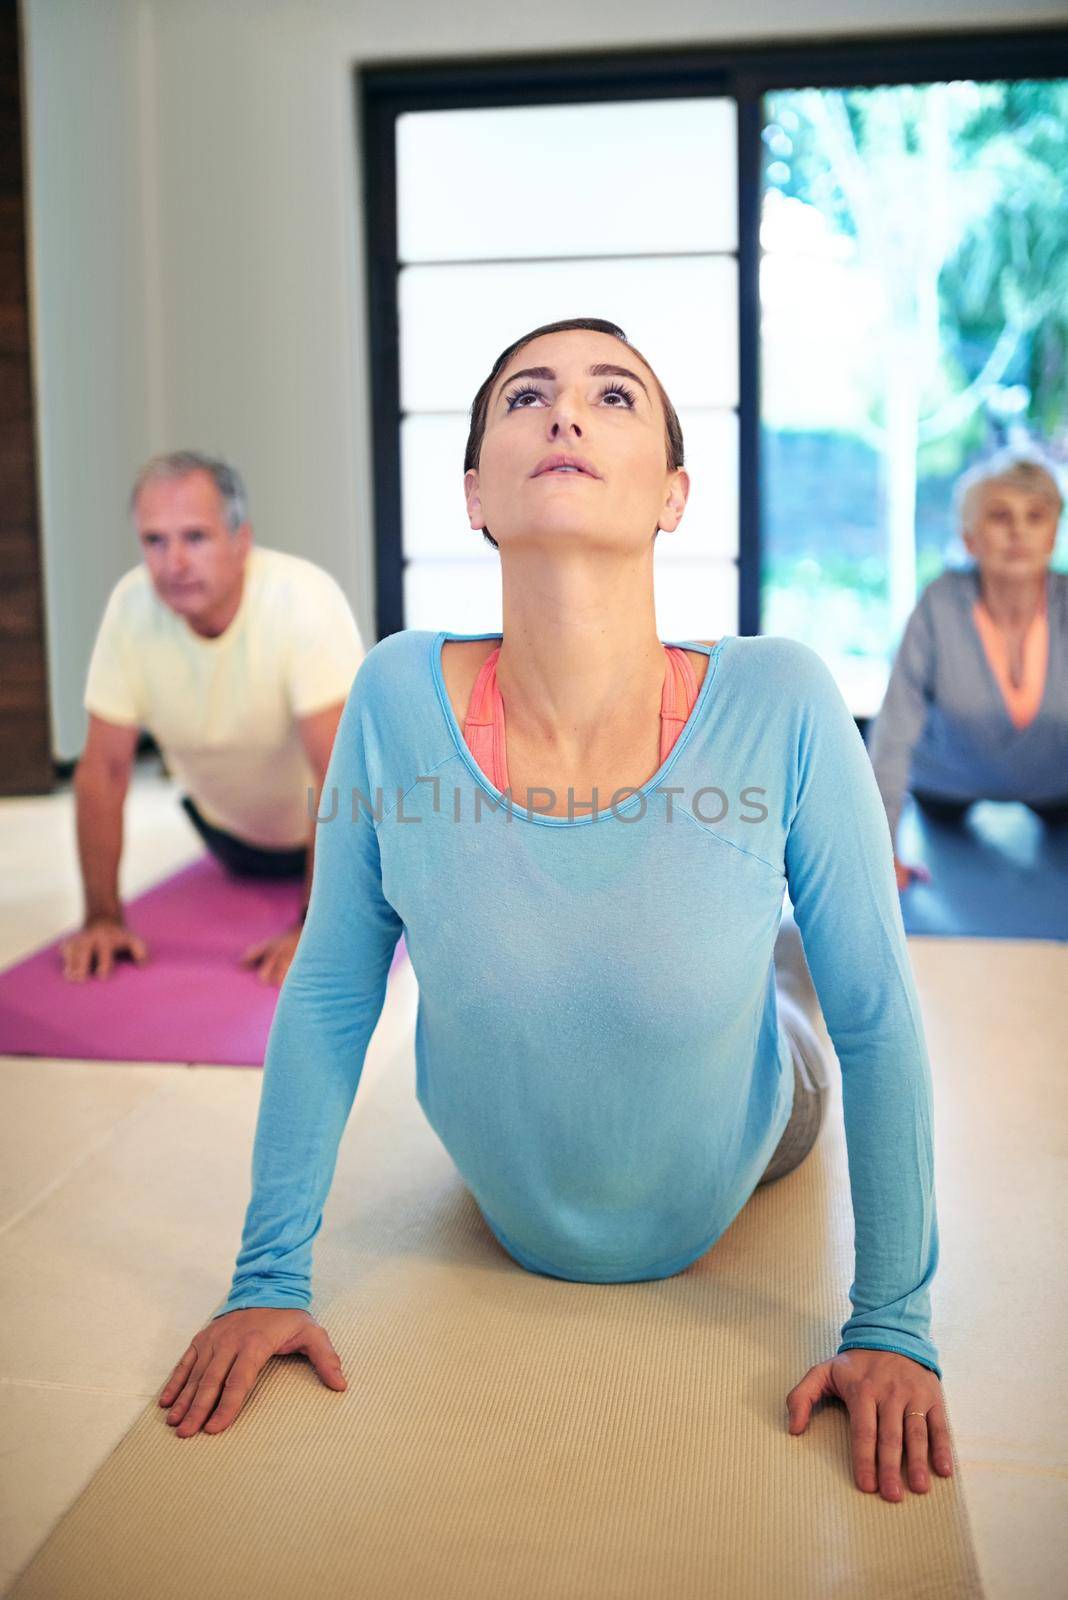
x,y
238,661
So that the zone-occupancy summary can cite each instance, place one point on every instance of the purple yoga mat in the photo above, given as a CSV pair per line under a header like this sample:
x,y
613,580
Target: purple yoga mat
x,y
192,1002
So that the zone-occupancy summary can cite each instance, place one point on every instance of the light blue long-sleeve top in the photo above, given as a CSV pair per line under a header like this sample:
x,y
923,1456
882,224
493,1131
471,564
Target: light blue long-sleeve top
x,y
944,726
597,1044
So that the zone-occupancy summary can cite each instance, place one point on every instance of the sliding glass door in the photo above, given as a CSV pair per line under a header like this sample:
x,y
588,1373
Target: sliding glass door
x,y
914,315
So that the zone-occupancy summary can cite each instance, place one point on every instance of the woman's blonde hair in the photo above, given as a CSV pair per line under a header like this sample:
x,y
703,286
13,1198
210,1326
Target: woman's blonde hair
x,y
1018,469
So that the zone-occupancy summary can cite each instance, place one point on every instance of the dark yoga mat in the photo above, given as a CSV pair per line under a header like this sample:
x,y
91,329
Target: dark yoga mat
x,y
1000,873
192,1002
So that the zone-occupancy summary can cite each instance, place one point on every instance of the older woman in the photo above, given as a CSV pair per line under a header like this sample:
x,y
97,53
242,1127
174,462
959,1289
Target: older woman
x,y
601,1044
977,702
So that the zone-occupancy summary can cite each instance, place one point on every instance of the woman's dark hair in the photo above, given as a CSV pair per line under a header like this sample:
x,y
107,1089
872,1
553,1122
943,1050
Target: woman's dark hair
x,y
480,404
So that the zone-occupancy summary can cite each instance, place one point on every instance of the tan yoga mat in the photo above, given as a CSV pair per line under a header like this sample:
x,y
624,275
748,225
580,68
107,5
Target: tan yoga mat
x,y
507,1436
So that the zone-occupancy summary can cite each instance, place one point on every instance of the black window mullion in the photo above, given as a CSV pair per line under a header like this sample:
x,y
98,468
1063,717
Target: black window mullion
x,y
750,171
379,116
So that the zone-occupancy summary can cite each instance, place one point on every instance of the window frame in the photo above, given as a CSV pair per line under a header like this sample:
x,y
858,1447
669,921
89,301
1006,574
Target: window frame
x,y
744,73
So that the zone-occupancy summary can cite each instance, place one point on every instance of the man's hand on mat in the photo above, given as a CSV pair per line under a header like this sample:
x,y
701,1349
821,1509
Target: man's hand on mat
x,y
880,1388
272,957
226,1358
98,946
905,871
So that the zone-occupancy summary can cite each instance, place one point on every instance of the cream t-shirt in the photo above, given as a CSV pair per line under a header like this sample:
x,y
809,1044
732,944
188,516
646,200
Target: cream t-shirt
x,y
224,711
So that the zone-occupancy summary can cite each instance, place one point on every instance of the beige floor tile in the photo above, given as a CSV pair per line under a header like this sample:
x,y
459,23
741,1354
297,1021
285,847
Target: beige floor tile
x,y
1020,1526
56,1112
54,1441
118,1265
997,1035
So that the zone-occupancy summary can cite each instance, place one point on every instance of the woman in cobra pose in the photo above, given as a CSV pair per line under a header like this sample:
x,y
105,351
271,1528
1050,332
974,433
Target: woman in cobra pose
x,y
593,904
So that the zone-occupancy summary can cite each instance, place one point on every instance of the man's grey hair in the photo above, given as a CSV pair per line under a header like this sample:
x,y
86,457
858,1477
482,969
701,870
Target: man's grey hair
x,y
1018,469
181,463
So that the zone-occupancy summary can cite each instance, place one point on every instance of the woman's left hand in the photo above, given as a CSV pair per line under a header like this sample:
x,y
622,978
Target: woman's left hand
x,y
880,1387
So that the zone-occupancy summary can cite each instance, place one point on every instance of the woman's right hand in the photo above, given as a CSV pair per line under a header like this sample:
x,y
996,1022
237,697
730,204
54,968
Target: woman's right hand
x,y
98,946
905,872
227,1356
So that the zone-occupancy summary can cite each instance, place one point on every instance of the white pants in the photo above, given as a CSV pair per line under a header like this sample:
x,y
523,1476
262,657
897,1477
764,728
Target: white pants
x,y
798,1008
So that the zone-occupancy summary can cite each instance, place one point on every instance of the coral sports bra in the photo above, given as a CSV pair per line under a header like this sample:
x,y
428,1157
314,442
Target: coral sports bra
x,y
484,722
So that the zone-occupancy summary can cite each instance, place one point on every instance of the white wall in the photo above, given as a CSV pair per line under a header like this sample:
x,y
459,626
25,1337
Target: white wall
x,y
197,248
97,415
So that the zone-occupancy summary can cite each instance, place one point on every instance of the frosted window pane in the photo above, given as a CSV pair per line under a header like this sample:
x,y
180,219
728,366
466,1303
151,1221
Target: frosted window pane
x,y
696,599
435,516
682,314
709,525
605,179
460,596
